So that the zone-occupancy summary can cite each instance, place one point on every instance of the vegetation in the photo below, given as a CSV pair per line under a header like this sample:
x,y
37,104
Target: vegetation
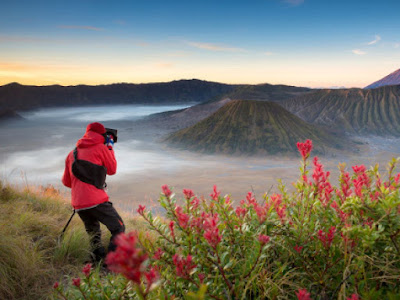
x,y
32,254
317,242
252,127
359,111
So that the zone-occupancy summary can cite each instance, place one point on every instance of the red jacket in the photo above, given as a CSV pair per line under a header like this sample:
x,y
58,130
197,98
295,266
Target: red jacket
x,y
90,147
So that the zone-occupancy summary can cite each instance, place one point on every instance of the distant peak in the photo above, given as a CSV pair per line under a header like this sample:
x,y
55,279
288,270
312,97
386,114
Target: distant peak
x,y
391,79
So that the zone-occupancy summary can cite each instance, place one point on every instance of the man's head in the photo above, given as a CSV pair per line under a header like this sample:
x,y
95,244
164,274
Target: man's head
x,y
96,127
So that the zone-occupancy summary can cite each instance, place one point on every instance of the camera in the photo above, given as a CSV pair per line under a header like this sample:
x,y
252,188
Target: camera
x,y
113,132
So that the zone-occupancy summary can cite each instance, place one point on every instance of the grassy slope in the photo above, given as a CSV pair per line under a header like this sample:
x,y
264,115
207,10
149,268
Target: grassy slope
x,y
32,257
252,127
375,111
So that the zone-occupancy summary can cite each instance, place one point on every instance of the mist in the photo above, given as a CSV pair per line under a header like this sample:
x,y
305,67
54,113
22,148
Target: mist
x,y
34,151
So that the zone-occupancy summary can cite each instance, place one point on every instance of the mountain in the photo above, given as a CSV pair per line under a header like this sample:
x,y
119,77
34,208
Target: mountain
x,y
372,111
252,127
266,92
19,97
391,79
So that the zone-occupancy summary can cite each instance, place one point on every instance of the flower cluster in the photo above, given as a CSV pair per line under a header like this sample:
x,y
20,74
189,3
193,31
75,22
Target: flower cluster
x,y
127,259
183,266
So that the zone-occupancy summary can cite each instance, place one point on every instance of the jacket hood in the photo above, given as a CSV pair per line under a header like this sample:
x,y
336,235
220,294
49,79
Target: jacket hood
x,y
89,139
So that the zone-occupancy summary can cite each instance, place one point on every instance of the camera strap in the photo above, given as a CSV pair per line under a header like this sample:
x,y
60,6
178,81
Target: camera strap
x,y
89,172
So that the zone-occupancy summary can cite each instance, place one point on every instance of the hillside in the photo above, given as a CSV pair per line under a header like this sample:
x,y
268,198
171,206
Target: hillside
x,y
374,111
391,79
18,97
252,127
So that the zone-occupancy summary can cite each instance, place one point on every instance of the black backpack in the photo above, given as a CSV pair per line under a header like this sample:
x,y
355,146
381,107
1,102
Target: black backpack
x,y
89,172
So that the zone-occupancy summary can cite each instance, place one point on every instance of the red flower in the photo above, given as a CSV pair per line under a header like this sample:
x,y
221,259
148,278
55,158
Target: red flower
x,y
359,169
327,237
353,297
281,211
303,294
56,285
171,227
298,248
215,194
86,269
305,148
127,259
201,277
158,254
213,237
241,212
263,239
183,218
188,194
76,282
251,200
141,209
183,266
151,277
166,191
261,213
322,186
195,203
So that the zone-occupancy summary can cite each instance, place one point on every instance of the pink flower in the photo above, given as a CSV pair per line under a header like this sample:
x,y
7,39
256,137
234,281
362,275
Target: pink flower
x,y
166,191
183,266
213,237
158,254
188,194
86,269
298,248
263,239
353,297
201,277
303,294
305,148
215,194
183,218
322,186
141,209
127,259
76,282
56,285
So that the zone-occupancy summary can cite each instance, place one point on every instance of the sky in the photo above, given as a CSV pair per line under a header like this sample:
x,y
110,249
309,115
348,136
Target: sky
x,y
312,43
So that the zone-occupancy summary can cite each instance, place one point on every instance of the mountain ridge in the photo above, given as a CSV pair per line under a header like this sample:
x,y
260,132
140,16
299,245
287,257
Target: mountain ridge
x,y
359,111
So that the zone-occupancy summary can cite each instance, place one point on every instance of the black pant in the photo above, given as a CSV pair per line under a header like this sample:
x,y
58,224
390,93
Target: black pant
x,y
106,214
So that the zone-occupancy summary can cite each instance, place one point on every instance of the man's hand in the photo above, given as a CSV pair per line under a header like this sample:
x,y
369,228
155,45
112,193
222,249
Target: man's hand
x,y
110,141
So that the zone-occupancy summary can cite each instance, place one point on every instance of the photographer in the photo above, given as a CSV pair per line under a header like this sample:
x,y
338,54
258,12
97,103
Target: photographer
x,y
85,171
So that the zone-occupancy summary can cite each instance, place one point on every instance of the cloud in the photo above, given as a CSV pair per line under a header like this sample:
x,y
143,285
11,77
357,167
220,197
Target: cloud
x,y
359,52
294,2
397,45
376,40
214,47
81,27
268,53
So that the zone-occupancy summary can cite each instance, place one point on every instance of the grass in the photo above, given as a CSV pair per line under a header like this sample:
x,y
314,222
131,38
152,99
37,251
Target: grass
x,y
32,255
